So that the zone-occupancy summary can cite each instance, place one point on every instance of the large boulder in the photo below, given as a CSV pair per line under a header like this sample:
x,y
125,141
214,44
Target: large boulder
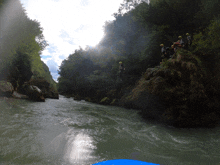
x,y
34,93
140,98
179,92
19,96
46,88
6,89
51,93
184,83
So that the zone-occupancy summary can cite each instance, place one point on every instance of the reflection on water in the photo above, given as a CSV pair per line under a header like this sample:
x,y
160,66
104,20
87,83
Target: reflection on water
x,y
79,148
56,142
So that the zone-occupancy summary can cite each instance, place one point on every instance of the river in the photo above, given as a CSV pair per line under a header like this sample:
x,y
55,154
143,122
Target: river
x,y
68,132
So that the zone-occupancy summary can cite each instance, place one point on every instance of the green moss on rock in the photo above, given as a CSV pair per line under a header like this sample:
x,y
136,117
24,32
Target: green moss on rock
x,y
183,83
105,100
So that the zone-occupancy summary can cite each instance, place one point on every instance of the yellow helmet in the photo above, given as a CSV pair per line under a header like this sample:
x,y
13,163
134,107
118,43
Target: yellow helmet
x,y
120,62
187,34
180,37
161,44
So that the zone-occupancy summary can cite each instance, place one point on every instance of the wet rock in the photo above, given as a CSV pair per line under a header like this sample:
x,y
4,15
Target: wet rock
x,y
112,93
88,99
105,101
151,105
34,93
77,97
114,102
45,87
159,73
6,89
19,96
150,73
176,93
51,94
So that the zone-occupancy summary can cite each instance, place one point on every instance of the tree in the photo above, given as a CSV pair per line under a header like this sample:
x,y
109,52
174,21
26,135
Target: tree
x,y
21,42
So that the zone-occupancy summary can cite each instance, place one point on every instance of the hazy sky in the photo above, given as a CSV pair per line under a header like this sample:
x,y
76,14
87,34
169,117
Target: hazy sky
x,y
69,24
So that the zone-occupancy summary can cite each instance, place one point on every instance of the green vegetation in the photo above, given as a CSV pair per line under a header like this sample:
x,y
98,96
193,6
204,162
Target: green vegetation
x,y
134,38
21,42
189,78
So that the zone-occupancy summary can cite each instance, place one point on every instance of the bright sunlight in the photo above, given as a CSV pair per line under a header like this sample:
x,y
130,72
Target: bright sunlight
x,y
91,36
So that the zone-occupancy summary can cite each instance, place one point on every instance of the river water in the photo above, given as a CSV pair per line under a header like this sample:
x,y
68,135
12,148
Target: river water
x,y
68,132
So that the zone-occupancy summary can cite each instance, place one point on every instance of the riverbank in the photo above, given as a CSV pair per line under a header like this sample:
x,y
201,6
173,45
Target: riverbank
x,y
180,92
28,90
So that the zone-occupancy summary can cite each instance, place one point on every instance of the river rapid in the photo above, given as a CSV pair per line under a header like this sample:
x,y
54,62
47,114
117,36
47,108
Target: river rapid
x,y
68,132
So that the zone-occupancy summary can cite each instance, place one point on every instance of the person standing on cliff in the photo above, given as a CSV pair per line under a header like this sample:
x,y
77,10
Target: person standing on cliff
x,y
121,70
172,51
163,51
181,41
188,37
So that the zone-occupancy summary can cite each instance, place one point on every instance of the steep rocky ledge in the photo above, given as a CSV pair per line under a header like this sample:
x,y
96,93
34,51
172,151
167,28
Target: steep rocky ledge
x,y
180,92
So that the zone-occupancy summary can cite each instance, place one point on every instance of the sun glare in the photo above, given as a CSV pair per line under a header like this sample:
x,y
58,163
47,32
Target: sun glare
x,y
91,37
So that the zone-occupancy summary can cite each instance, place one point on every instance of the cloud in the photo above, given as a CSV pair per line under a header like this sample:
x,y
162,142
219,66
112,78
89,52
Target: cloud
x,y
51,49
69,24
55,76
84,2
64,34
62,57
53,67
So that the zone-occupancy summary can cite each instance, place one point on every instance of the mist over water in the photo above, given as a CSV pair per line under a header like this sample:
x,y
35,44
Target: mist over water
x,y
15,27
9,14
76,132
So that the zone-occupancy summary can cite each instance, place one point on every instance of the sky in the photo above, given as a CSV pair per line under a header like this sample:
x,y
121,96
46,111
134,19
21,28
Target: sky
x,y
68,24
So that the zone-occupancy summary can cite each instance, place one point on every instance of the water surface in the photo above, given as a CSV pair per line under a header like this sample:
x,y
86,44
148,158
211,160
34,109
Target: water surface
x,y
68,132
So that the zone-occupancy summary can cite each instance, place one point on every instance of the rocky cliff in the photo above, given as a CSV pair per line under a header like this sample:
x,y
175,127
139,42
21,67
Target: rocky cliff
x,y
181,91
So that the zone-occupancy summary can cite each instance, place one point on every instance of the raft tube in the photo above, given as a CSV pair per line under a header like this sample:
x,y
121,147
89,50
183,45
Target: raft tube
x,y
124,162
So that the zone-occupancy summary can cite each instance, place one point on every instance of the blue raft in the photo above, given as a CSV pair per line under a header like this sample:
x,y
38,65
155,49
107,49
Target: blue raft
x,y
124,162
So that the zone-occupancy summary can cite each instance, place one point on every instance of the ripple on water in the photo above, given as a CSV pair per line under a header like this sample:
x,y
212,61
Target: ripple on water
x,y
68,132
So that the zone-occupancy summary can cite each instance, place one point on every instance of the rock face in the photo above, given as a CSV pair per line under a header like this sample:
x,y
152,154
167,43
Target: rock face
x,y
19,96
6,89
140,98
179,92
105,101
33,92
47,90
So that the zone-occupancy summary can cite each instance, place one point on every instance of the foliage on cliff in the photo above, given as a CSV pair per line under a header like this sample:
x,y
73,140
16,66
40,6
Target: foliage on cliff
x,y
188,82
187,88
134,38
21,42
